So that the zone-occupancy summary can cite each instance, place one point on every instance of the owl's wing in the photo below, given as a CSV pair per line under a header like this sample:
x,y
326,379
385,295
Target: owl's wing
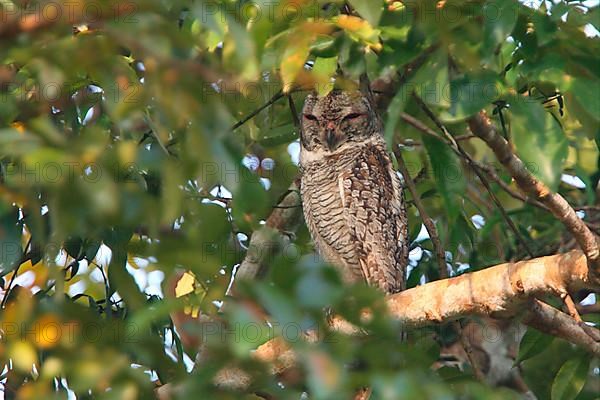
x,y
374,211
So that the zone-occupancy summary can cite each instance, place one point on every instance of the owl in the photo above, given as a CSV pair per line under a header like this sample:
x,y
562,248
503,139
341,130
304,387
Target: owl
x,y
351,195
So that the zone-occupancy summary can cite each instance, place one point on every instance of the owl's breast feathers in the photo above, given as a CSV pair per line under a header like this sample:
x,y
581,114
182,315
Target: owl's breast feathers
x,y
355,213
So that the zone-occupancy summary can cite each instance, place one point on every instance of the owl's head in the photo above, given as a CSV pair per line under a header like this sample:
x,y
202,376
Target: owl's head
x,y
341,117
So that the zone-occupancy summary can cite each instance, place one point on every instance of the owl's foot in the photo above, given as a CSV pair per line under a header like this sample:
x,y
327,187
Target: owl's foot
x,y
291,236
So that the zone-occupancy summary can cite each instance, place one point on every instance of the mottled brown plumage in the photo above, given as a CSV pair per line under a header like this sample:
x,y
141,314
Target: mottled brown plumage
x,y
352,198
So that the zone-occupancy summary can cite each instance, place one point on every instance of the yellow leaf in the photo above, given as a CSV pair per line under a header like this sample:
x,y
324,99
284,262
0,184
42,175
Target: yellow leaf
x,y
19,126
360,30
293,61
127,152
48,331
298,48
23,355
131,261
52,367
186,284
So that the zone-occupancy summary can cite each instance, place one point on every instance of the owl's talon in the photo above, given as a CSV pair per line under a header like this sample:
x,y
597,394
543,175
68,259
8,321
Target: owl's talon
x,y
290,235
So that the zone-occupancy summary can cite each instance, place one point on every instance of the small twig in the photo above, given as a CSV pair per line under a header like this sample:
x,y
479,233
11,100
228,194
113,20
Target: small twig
x,y
513,193
427,221
588,308
421,175
460,138
254,113
570,304
588,208
295,118
419,125
549,320
154,132
107,291
15,273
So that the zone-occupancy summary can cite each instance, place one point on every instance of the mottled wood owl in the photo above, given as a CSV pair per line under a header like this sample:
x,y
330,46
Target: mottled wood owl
x,y
351,195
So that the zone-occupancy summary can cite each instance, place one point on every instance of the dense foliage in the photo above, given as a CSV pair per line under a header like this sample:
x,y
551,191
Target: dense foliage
x,y
116,137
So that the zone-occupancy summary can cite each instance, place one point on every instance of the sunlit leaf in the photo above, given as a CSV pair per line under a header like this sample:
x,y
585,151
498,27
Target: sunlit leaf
x,y
539,140
23,355
360,30
369,10
325,68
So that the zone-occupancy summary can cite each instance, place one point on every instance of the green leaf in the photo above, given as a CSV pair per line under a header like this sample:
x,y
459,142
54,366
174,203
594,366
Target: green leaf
x,y
284,310
250,202
122,281
499,19
448,175
240,50
393,114
533,343
470,93
274,136
325,46
431,81
570,378
539,140
586,91
460,235
325,68
428,350
594,16
369,10
10,238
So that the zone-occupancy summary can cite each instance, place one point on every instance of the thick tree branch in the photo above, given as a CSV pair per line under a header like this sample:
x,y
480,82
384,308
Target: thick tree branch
x,y
498,291
502,291
481,126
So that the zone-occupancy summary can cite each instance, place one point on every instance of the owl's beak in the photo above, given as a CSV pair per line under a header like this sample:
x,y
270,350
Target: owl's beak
x,y
330,137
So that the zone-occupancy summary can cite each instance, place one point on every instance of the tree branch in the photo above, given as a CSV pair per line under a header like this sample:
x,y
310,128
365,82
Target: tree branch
x,y
588,308
556,323
282,223
502,291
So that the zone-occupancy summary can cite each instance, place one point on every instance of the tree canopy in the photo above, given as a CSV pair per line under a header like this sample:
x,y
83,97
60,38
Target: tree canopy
x,y
149,150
